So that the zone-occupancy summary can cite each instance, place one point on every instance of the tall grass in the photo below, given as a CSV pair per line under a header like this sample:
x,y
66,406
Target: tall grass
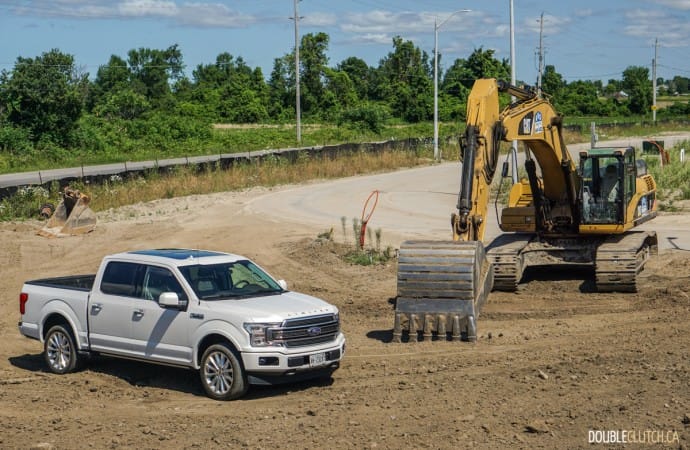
x,y
270,171
672,179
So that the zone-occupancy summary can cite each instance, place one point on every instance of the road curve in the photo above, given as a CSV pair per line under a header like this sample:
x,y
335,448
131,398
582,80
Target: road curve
x,y
415,203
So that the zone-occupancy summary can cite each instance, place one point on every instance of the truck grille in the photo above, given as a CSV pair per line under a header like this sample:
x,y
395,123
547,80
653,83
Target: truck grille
x,y
306,331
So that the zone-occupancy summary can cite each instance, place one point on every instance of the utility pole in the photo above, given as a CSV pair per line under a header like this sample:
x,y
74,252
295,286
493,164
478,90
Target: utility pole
x,y
541,53
656,46
298,113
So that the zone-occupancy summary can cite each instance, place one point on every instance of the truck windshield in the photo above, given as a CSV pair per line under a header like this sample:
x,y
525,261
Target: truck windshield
x,y
240,279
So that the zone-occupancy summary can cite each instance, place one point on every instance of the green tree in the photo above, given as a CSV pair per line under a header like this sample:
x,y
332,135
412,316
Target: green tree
x,y
281,89
404,81
552,82
581,98
679,84
154,71
638,86
482,64
612,87
111,77
339,92
123,103
44,95
459,79
230,90
313,62
453,92
360,73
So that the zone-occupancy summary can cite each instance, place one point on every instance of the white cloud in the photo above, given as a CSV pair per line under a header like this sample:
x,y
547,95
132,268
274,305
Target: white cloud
x,y
677,4
212,15
372,38
552,24
319,19
180,13
148,8
395,23
584,12
652,24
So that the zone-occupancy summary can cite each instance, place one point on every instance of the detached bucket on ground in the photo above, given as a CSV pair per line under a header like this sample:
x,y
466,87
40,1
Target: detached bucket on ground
x,y
71,217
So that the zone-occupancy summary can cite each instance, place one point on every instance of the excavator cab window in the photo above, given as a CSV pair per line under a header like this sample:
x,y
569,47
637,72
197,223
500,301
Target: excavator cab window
x,y
603,186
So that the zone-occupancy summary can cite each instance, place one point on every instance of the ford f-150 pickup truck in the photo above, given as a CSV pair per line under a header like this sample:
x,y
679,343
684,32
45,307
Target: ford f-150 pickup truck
x,y
218,313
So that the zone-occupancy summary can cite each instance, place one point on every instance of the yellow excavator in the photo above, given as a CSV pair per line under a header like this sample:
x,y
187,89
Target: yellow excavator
x,y
559,213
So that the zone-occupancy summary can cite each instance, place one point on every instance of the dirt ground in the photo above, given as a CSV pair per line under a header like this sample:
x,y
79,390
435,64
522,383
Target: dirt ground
x,y
554,362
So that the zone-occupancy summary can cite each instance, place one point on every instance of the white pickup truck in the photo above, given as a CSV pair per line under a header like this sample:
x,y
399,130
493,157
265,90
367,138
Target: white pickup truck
x,y
215,312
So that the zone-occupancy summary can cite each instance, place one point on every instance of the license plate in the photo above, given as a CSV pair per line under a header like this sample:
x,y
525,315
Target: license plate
x,y
317,359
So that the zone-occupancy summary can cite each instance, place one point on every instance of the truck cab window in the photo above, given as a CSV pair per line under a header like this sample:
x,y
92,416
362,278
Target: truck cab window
x,y
120,278
158,280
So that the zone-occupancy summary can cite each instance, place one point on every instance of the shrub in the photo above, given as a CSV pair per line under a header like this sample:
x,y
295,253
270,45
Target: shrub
x,y
369,117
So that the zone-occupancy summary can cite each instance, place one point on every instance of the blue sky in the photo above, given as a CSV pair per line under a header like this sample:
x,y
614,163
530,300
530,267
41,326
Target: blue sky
x,y
583,39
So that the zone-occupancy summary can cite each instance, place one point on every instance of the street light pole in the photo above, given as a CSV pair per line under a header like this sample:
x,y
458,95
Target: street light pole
x,y
437,155
298,112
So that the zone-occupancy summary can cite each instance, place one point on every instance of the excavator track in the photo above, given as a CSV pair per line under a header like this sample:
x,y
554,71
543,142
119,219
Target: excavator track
x,y
442,286
505,254
621,258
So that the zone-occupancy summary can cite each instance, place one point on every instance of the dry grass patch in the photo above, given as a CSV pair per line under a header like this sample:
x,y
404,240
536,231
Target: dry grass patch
x,y
271,171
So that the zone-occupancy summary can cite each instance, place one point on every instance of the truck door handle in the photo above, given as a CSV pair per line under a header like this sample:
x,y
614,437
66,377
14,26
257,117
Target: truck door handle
x,y
138,312
96,307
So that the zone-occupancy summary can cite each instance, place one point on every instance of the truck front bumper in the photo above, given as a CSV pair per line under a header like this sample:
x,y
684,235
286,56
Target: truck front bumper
x,y
281,365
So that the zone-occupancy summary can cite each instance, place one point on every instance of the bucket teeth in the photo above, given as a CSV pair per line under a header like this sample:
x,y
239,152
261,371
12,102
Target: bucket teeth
x,y
434,327
441,288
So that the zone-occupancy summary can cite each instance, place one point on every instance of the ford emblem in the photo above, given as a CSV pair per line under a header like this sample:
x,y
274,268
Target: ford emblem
x,y
314,331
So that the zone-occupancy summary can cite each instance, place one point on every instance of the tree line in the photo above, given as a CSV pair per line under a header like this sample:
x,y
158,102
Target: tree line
x,y
48,104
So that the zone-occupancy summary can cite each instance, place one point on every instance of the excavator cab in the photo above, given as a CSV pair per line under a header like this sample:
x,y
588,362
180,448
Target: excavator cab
x,y
603,186
609,186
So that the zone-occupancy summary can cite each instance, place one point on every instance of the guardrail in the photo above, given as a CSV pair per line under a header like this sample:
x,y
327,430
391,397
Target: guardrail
x,y
9,183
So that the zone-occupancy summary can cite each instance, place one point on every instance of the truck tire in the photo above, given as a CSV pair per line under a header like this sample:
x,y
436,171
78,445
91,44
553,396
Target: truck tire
x,y
60,351
222,374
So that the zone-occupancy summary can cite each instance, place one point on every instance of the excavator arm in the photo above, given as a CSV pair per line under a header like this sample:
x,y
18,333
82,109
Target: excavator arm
x,y
479,153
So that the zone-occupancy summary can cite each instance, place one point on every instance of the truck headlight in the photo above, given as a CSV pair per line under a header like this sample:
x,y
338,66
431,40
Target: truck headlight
x,y
258,333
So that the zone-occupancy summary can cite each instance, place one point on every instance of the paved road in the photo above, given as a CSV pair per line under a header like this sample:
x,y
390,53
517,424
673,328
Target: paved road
x,y
413,204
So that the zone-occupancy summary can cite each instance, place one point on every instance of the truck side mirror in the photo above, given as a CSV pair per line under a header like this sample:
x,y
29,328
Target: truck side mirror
x,y
283,284
171,300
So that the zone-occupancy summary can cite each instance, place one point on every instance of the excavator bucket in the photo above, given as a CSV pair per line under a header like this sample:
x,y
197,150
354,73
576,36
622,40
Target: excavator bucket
x,y
442,286
71,217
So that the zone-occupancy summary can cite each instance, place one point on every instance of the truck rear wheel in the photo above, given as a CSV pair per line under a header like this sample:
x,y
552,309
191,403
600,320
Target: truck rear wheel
x,y
222,374
60,351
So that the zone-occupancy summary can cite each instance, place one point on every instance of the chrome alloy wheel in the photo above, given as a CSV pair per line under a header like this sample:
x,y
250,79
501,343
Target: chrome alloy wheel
x,y
218,373
59,351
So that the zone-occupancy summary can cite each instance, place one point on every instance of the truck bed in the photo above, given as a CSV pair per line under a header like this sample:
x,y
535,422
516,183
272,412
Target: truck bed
x,y
75,282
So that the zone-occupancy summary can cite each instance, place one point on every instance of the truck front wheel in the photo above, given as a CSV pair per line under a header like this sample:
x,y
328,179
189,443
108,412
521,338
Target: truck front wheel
x,y
60,351
222,375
